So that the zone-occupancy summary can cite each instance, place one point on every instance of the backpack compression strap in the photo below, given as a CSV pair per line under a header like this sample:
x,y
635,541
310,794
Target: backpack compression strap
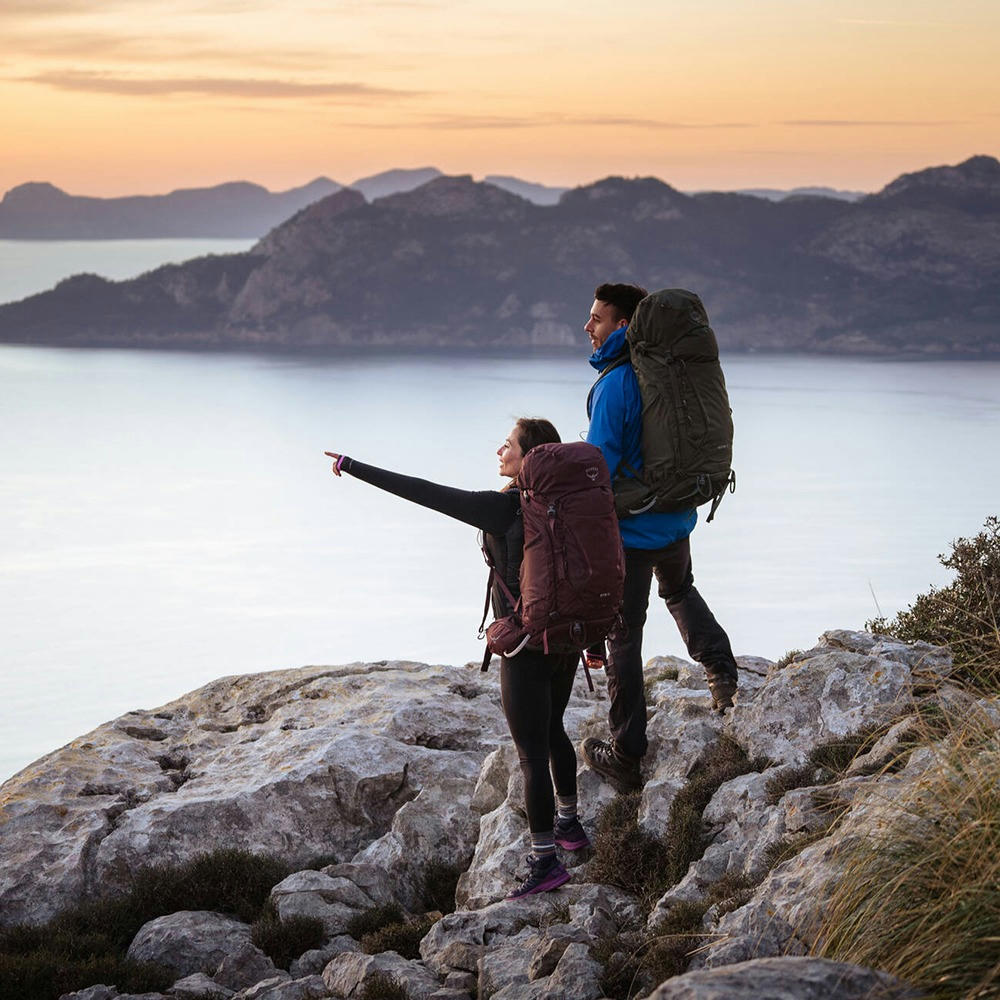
x,y
494,575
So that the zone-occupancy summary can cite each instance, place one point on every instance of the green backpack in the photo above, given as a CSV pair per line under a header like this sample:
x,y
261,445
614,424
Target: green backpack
x,y
687,425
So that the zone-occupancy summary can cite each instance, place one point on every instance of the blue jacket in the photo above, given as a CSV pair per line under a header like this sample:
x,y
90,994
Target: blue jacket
x,y
615,412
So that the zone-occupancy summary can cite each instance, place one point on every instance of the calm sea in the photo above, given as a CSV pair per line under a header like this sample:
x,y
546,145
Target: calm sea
x,y
169,518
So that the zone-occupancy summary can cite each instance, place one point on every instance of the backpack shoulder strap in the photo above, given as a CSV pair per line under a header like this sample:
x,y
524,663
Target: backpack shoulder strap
x,y
622,359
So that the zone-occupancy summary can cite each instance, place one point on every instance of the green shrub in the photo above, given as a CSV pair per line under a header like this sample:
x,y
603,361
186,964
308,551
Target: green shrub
x,y
788,659
283,941
374,919
685,838
787,779
731,892
835,756
86,943
627,856
45,974
651,680
403,937
440,880
965,615
636,963
788,847
919,898
379,986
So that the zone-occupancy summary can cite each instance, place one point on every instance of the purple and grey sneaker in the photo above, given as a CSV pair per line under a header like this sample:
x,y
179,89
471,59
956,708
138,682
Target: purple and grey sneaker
x,y
570,835
543,874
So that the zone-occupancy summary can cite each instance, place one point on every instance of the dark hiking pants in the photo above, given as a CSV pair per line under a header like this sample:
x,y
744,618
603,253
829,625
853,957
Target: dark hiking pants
x,y
706,641
534,690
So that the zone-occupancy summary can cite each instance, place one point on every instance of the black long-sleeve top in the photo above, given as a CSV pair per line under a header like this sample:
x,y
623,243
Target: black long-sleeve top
x,y
492,511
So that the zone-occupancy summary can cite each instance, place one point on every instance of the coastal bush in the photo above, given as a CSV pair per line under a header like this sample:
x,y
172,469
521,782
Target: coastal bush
x,y
379,986
48,972
283,941
635,963
627,856
965,615
86,943
403,937
919,899
439,883
374,919
685,836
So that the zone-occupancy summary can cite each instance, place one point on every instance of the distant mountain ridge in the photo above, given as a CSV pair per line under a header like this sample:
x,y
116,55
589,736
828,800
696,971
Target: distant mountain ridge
x,y
913,269
238,209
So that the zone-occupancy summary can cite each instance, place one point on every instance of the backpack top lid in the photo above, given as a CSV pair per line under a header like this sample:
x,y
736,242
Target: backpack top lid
x,y
663,319
560,466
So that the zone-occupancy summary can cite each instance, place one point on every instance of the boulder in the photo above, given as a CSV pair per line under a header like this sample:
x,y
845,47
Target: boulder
x,y
332,895
198,986
788,978
305,988
189,941
302,764
246,967
348,974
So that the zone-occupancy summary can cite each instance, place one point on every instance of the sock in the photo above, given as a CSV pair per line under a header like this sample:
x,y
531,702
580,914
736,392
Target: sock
x,y
565,809
543,845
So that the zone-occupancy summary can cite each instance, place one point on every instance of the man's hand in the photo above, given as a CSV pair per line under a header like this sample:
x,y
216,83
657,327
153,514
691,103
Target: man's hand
x,y
337,460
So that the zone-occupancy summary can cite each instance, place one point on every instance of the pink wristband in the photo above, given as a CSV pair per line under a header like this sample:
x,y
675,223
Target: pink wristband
x,y
340,462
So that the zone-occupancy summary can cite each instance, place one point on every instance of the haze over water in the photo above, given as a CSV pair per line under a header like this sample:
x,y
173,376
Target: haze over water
x,y
170,518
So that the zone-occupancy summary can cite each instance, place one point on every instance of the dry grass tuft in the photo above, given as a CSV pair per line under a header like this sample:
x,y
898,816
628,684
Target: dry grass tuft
x,y
922,899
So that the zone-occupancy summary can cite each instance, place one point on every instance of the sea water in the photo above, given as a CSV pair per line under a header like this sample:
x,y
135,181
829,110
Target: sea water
x,y
169,518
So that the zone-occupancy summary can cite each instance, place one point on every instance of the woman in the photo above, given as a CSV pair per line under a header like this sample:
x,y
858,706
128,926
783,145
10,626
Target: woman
x,y
534,686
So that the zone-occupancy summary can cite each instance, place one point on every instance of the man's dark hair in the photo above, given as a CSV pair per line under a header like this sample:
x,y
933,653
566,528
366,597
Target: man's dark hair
x,y
533,431
624,298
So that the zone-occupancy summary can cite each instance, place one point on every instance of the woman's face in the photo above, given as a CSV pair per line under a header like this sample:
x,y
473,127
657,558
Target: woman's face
x,y
510,455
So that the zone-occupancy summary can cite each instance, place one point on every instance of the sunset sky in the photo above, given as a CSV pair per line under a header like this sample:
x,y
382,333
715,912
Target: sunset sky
x,y
144,96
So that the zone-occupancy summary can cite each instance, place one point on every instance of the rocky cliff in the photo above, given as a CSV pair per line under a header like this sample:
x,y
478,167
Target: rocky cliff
x,y
384,768
912,270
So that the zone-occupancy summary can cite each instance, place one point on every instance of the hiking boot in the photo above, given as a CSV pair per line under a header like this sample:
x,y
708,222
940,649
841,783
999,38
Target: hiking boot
x,y
543,874
570,835
604,758
723,688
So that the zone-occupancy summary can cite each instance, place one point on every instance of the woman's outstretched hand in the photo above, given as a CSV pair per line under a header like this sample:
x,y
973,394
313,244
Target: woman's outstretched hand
x,y
337,459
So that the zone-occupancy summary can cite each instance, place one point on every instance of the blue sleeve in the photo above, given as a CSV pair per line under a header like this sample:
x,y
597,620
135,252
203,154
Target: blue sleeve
x,y
613,413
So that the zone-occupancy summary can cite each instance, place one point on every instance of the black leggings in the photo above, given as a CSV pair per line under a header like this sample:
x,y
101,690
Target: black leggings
x,y
534,690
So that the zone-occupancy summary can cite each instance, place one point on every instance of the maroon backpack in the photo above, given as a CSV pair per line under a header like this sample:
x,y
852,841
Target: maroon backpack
x,y
573,571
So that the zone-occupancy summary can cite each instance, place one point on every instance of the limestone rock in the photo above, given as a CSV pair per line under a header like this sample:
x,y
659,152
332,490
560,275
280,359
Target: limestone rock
x,y
332,895
460,939
347,974
316,960
246,967
198,986
302,763
189,941
576,976
507,963
784,979
98,992
845,683
306,988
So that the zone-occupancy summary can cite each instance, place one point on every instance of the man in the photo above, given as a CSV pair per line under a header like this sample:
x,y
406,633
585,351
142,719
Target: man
x,y
655,544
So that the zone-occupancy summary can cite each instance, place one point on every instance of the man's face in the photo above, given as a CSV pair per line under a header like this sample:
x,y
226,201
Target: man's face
x,y
604,320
